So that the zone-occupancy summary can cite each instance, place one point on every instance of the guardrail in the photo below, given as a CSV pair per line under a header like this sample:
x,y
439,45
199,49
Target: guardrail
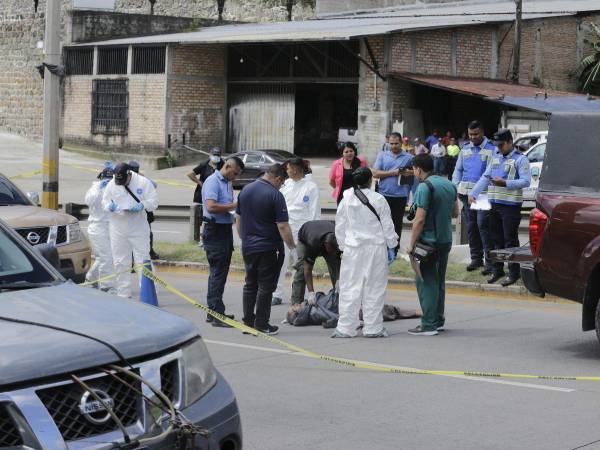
x,y
192,214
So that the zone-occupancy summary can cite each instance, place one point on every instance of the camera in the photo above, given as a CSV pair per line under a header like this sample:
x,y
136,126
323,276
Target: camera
x,y
412,212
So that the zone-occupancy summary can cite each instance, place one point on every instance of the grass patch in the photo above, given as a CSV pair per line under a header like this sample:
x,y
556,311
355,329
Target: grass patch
x,y
190,252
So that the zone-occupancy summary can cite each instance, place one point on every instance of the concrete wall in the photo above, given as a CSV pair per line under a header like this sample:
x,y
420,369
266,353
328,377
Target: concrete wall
x,y
325,7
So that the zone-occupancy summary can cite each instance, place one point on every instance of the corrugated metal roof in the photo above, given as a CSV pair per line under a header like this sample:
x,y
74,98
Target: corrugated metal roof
x,y
440,16
522,96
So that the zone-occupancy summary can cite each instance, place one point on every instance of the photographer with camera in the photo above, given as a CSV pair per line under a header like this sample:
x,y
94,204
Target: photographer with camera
x,y
430,243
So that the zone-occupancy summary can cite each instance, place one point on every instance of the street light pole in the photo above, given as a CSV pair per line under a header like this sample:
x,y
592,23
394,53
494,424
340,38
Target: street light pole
x,y
51,106
517,50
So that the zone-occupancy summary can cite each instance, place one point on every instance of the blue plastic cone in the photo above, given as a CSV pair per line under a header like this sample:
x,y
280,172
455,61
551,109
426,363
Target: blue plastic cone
x,y
147,288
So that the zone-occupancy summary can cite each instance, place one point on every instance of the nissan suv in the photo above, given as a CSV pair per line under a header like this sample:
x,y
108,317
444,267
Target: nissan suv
x,y
563,256
46,226
81,369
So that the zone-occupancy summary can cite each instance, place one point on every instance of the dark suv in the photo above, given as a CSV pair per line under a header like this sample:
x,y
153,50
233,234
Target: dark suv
x,y
564,229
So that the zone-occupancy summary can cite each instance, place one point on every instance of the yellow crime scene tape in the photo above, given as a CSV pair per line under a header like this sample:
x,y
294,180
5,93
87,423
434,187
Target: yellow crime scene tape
x,y
25,175
351,362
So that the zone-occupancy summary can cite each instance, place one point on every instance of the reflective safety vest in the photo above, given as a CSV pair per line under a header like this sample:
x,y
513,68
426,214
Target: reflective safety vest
x,y
474,160
505,167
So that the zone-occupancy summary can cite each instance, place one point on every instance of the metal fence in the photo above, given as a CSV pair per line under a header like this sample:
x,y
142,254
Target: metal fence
x,y
79,61
112,61
110,107
148,60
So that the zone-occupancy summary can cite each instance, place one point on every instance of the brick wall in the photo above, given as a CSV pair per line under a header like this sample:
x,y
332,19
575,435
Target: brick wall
x,y
146,131
197,96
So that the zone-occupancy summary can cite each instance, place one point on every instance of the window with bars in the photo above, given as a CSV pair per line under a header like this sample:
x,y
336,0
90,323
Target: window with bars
x,y
79,61
110,107
112,61
148,60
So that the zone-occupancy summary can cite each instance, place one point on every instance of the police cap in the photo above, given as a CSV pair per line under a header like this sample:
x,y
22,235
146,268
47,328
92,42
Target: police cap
x,y
121,173
502,135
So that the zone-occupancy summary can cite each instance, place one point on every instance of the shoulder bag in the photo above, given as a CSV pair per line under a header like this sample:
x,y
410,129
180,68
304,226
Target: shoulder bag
x,y
424,252
149,214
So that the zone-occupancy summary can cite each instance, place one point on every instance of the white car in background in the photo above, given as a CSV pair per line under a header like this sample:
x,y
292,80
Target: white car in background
x,y
535,155
526,141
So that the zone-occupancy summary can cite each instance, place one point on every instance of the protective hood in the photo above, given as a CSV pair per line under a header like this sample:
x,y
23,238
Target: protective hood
x,y
31,352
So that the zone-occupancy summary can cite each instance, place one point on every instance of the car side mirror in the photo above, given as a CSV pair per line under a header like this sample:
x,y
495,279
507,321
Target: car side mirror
x,y
49,253
34,197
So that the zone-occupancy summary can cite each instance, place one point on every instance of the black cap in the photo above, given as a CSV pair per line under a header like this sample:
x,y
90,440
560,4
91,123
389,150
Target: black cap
x,y
134,165
106,173
215,151
502,135
121,173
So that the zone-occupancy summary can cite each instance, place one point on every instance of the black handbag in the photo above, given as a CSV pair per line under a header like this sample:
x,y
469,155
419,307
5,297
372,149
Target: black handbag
x,y
425,252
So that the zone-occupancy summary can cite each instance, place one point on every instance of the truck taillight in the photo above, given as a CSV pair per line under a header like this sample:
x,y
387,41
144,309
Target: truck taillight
x,y
537,226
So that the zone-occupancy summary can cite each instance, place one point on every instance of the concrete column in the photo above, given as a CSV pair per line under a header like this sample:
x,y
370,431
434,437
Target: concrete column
x,y
537,65
494,53
453,55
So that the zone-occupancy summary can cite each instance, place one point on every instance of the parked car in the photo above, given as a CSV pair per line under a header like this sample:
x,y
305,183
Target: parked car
x,y
563,258
536,160
525,141
53,330
256,163
41,226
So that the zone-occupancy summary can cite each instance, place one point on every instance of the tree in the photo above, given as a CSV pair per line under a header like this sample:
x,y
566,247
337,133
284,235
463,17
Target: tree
x,y
588,70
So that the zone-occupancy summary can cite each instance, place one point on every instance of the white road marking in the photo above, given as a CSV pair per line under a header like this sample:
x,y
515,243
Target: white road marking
x,y
462,377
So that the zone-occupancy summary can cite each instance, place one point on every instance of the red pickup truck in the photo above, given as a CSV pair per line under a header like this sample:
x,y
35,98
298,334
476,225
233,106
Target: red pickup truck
x,y
563,257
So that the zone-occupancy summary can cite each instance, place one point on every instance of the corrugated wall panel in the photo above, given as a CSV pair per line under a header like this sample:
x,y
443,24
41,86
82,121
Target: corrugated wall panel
x,y
261,117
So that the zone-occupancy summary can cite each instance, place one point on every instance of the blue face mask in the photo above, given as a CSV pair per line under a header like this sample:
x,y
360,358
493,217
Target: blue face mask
x,y
215,158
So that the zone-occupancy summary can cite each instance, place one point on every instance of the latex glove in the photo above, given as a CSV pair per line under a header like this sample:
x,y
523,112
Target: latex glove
x,y
391,255
137,207
293,256
103,184
113,206
312,298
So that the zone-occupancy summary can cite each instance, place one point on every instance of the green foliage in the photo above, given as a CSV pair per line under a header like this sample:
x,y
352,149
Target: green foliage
x,y
588,70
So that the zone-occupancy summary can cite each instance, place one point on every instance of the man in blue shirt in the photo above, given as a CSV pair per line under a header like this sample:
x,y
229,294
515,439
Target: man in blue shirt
x,y
432,139
506,176
262,223
217,210
470,165
394,171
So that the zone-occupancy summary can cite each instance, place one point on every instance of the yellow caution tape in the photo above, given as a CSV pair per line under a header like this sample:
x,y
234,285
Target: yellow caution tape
x,y
111,276
351,362
26,174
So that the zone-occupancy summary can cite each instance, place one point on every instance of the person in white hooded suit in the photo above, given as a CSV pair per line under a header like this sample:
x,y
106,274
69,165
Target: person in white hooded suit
x,y
126,198
367,239
97,232
302,200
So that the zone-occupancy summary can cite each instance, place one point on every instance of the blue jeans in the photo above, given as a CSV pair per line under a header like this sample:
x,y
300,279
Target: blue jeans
x,y
439,165
478,231
218,244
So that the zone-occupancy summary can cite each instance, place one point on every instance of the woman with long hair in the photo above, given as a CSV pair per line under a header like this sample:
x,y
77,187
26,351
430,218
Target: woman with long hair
x,y
340,174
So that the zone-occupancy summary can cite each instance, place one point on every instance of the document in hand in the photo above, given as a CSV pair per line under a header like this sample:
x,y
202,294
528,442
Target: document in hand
x,y
482,203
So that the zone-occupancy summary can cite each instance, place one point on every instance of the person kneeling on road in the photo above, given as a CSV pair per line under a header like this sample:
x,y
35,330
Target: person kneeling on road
x,y
365,233
436,205
315,238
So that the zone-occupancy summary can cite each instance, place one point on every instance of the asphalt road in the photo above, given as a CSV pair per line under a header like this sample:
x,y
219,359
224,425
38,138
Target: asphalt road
x,y
290,402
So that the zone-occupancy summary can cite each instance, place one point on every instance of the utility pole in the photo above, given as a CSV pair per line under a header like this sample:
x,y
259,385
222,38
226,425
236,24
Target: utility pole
x,y
51,106
220,8
289,7
517,49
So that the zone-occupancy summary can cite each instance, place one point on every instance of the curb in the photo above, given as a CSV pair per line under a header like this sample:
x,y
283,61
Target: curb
x,y
474,287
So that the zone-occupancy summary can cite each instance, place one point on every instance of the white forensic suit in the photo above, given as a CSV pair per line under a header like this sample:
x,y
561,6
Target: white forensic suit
x,y
129,231
98,234
364,270
303,204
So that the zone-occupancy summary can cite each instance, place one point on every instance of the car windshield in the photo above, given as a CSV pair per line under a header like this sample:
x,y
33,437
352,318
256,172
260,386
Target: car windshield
x,y
9,194
280,155
18,265
536,154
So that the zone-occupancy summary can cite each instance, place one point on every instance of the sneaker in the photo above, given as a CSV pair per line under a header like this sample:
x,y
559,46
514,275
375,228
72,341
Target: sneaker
x,y
382,333
441,328
339,334
269,330
211,319
418,331
276,301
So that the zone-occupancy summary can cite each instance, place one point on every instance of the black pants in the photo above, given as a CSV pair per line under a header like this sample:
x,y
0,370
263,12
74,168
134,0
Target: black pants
x,y
504,233
397,208
262,273
218,245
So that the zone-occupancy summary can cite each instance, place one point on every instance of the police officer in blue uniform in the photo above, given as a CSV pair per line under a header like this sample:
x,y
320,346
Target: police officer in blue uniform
x,y
470,166
506,175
